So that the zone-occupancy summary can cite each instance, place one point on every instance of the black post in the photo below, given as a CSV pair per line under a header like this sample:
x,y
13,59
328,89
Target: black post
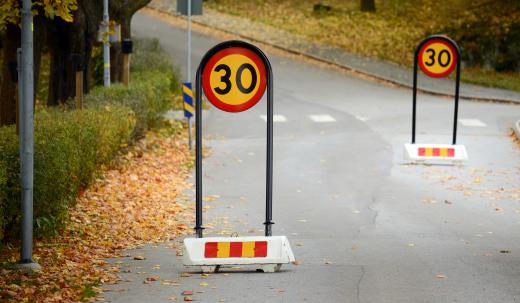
x,y
457,81
269,171
414,106
198,153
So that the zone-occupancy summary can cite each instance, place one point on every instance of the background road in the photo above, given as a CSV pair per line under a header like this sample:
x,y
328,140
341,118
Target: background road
x,y
365,226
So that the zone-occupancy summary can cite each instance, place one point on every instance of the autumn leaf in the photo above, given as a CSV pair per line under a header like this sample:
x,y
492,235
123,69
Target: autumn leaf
x,y
113,214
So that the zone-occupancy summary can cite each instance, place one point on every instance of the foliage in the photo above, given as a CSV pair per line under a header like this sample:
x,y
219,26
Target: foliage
x,y
10,10
153,82
69,146
132,204
487,31
148,95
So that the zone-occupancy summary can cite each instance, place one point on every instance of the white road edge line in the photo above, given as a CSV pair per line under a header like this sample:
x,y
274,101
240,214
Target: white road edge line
x,y
322,118
276,118
472,122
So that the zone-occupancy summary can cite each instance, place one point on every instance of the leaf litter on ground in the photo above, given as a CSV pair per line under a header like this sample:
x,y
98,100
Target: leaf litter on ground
x,y
134,203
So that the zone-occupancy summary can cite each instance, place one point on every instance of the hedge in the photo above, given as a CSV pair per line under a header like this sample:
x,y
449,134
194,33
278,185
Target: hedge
x,y
70,146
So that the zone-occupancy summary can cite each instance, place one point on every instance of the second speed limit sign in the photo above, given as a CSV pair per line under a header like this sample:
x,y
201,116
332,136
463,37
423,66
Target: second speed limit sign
x,y
437,57
234,79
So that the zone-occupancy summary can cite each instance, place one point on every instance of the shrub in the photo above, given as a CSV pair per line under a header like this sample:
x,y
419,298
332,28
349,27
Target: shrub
x,y
148,95
69,147
488,33
153,81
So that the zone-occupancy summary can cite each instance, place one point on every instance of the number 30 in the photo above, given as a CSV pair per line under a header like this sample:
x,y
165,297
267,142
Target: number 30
x,y
238,79
440,57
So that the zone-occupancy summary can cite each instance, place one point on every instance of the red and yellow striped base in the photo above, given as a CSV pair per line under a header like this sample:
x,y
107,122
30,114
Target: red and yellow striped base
x,y
436,152
257,249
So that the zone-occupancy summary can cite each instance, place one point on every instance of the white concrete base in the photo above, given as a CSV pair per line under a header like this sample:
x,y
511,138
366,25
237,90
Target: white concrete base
x,y
278,252
435,153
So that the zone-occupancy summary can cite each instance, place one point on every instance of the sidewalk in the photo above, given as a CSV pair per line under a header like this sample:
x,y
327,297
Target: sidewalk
x,y
378,69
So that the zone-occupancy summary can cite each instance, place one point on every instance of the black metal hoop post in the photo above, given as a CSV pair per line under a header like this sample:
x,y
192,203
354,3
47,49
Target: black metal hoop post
x,y
457,84
198,135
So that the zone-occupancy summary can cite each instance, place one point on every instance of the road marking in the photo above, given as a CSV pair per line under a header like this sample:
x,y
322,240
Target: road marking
x,y
361,118
472,122
276,118
322,118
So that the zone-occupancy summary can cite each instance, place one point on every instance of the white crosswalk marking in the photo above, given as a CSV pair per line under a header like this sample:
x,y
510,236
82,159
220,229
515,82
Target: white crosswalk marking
x,y
472,122
322,118
276,118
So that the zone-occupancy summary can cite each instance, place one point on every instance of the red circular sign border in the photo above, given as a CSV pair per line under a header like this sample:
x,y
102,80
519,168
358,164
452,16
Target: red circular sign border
x,y
453,63
206,72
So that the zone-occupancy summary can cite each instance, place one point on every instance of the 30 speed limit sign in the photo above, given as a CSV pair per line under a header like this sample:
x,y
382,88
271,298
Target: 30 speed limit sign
x,y
437,57
234,79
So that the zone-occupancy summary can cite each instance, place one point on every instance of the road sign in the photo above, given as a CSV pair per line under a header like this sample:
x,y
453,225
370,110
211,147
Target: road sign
x,y
234,76
234,79
438,57
195,9
187,95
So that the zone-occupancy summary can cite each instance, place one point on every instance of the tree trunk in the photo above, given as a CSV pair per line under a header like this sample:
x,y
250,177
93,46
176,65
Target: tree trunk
x,y
8,91
122,12
368,5
61,83
66,39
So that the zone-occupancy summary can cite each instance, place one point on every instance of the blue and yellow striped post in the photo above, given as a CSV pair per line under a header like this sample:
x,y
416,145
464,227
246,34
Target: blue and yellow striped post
x,y
189,110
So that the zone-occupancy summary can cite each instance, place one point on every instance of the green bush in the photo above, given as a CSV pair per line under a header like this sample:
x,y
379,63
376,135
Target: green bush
x,y
148,95
488,33
69,147
153,81
8,159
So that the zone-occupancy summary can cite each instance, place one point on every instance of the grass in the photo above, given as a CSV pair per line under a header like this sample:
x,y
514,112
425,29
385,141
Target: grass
x,y
391,33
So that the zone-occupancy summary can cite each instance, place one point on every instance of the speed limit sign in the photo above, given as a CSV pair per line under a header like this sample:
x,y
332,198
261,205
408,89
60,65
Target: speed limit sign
x,y
234,75
234,78
437,57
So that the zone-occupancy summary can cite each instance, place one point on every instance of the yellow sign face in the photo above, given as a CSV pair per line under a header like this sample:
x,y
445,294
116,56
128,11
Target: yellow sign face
x,y
234,79
437,58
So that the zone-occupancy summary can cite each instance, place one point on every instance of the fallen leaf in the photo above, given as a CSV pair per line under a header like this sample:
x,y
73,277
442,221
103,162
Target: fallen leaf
x,y
152,278
440,276
139,258
187,293
203,284
188,299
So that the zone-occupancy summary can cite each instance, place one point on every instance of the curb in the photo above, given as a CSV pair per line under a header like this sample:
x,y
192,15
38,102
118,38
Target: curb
x,y
346,66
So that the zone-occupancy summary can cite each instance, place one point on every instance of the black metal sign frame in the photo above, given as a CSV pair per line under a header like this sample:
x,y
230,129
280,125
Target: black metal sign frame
x,y
457,82
198,134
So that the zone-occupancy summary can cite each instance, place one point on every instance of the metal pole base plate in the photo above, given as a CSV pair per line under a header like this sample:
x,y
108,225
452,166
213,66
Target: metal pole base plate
x,y
28,267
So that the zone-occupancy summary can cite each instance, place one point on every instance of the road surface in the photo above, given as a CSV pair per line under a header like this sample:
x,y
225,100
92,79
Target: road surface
x,y
365,226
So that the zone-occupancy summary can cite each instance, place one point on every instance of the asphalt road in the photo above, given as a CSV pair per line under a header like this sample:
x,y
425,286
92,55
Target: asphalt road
x,y
365,226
